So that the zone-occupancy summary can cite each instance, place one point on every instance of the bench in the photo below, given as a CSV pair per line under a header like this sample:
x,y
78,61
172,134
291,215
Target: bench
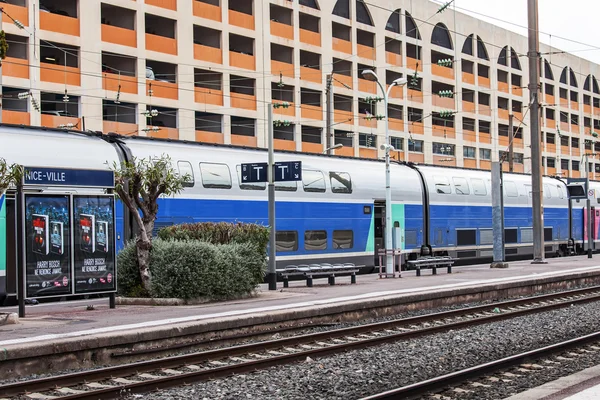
x,y
433,262
317,271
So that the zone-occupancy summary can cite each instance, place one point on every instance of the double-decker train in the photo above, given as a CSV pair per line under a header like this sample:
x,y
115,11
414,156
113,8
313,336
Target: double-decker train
x,y
334,214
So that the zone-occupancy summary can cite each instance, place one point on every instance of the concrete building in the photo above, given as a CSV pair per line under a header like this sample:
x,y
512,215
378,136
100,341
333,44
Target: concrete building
x,y
211,69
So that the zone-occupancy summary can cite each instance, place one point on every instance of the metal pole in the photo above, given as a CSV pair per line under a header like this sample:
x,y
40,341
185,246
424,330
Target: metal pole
x,y
329,141
511,135
1,99
271,274
497,216
389,259
20,249
536,159
589,209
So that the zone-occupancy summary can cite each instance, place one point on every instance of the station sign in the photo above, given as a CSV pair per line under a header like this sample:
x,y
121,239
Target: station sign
x,y
42,176
285,171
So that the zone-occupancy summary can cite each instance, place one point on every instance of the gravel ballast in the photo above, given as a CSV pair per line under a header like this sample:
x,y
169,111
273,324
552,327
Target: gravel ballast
x,y
360,373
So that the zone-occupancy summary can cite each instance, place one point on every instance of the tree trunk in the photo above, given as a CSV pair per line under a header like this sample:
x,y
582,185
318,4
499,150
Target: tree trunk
x,y
143,248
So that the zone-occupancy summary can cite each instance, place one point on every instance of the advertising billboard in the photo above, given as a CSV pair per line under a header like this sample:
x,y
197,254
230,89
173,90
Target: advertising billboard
x,y
47,238
94,243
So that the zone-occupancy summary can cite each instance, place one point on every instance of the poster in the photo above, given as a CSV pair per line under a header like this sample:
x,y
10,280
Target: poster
x,y
94,243
47,238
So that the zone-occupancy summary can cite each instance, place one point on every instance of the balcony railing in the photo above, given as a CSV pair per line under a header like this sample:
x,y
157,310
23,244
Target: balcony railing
x,y
245,101
208,11
342,45
310,37
17,12
365,51
413,63
209,137
280,144
208,96
168,4
282,30
285,69
60,74
290,111
367,86
129,84
164,133
161,44
15,67
164,90
308,147
59,23
468,78
240,60
16,117
117,35
243,140
241,19
208,53
122,128
443,72
54,121
393,58
340,80
311,112
311,74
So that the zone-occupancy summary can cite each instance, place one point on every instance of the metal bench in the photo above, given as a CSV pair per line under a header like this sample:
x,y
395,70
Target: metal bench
x,y
433,262
311,271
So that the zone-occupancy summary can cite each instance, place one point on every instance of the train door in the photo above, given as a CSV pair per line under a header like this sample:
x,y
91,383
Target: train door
x,y
11,248
595,224
379,225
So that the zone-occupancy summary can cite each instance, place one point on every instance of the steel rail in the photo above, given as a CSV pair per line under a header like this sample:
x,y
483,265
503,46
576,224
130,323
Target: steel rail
x,y
416,390
67,380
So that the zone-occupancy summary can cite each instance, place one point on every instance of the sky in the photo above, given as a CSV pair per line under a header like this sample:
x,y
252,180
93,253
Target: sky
x,y
574,19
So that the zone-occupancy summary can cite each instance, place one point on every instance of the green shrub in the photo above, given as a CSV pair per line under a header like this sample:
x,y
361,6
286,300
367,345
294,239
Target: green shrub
x,y
128,277
195,269
191,269
219,233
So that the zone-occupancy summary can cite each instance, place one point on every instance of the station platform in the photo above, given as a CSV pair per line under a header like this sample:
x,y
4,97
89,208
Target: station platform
x,y
48,326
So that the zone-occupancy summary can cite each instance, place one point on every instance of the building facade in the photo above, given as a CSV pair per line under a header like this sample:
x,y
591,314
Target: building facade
x,y
209,70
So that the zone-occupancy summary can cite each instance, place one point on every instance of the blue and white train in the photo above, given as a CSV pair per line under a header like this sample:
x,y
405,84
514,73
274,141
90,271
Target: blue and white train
x,y
335,214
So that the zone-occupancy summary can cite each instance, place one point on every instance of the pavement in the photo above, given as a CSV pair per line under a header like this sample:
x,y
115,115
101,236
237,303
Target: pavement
x,y
50,322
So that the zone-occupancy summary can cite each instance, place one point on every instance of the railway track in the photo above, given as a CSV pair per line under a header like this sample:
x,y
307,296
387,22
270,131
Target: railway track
x,y
111,382
588,343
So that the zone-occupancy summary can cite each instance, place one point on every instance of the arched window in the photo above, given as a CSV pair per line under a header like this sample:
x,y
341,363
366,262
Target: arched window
x,y
342,9
393,23
441,36
468,46
587,83
362,13
481,50
563,75
310,3
503,57
595,85
573,80
548,70
411,28
514,59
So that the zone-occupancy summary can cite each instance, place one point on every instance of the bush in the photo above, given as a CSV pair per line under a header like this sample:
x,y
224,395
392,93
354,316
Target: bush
x,y
193,269
129,282
219,233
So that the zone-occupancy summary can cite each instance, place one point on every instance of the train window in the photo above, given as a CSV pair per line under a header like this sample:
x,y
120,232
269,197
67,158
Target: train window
x,y
215,176
461,186
548,234
529,190
466,237
510,189
510,235
313,181
547,193
249,186
561,194
315,240
340,182
286,241
442,186
478,187
343,239
486,236
526,235
286,186
185,168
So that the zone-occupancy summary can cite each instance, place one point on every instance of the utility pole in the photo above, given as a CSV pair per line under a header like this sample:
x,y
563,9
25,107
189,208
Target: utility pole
x,y
588,205
271,273
329,141
511,153
498,216
536,159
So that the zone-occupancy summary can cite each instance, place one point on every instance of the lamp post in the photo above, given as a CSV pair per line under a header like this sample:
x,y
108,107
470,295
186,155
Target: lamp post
x,y
389,259
329,149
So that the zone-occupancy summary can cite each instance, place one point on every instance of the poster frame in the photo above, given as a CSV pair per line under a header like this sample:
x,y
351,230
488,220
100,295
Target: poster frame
x,y
23,236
